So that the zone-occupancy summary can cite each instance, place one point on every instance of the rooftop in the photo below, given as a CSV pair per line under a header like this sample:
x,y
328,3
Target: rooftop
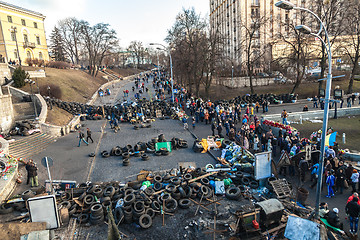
x,y
20,9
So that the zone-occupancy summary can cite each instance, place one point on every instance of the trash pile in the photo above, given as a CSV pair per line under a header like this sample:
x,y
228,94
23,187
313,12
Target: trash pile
x,y
24,128
158,146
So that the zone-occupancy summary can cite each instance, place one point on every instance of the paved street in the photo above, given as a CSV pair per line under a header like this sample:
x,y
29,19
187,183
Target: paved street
x,y
73,163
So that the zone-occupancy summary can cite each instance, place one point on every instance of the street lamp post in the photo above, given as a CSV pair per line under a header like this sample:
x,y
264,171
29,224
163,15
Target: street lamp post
x,y
304,29
158,66
171,68
14,30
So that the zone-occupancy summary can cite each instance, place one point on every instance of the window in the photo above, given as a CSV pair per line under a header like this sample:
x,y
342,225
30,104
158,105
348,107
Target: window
x,y
15,54
28,54
38,40
23,22
13,36
35,25
40,56
9,19
26,39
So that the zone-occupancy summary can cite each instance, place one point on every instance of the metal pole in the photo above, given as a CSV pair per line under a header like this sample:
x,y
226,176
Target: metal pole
x,y
33,99
232,76
158,66
325,124
17,47
172,78
48,170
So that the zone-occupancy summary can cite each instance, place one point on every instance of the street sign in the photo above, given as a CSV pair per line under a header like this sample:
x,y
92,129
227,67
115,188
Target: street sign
x,y
284,160
50,162
262,165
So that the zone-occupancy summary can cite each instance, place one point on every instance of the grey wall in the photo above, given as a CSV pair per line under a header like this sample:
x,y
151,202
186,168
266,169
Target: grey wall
x,y
6,110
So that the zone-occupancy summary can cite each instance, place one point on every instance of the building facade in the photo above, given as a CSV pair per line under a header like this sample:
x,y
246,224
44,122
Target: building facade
x,y
234,19
22,34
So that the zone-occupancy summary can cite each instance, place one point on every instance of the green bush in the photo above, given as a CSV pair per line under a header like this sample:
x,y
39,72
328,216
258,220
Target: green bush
x,y
19,77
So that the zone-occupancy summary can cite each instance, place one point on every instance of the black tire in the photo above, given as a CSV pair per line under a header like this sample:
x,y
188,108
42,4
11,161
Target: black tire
x,y
96,221
81,197
96,210
164,197
245,181
233,193
125,155
109,191
92,154
170,188
64,204
129,199
204,190
156,206
145,221
117,152
139,206
157,153
205,181
184,203
27,194
150,212
89,199
158,186
149,150
145,157
187,176
158,178
6,208
170,205
149,191
105,199
129,191
176,181
65,196
182,192
83,218
126,162
105,154
98,192
165,153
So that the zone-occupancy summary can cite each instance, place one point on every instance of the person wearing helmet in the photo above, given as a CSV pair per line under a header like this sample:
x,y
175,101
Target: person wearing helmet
x,y
334,219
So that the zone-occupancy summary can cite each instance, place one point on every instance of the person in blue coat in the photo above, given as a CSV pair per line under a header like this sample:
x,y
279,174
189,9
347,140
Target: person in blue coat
x,y
330,182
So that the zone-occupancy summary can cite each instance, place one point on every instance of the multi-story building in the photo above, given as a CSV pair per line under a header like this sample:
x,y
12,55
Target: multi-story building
x,y
22,34
234,19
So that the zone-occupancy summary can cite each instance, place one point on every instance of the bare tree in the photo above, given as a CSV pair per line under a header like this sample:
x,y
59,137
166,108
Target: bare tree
x,y
138,51
99,41
189,43
250,45
351,43
70,31
332,14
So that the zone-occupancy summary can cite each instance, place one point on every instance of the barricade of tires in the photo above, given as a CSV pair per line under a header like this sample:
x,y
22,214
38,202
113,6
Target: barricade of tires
x,y
22,128
143,150
253,98
141,202
124,111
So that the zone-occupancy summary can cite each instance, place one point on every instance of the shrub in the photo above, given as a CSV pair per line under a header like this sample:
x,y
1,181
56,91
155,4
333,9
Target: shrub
x,y
55,91
19,77
58,64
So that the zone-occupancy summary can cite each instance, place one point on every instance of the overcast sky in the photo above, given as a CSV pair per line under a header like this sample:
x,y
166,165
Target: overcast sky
x,y
142,20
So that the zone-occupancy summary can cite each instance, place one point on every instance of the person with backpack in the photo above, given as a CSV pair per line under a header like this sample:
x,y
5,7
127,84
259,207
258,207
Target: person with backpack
x,y
82,138
353,210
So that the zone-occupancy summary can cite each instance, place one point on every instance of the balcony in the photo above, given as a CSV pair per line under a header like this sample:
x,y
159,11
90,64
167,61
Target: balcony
x,y
29,45
255,3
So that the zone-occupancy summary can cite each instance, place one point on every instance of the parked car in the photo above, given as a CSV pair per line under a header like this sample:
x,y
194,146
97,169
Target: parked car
x,y
280,79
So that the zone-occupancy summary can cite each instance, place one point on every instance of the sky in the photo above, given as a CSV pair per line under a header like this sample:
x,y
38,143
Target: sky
x,y
140,20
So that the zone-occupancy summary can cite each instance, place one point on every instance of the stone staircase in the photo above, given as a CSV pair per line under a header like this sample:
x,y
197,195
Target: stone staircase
x,y
23,111
111,75
26,147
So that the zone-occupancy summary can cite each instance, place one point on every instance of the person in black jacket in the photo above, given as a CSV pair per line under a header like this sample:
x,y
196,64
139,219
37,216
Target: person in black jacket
x,y
353,210
333,219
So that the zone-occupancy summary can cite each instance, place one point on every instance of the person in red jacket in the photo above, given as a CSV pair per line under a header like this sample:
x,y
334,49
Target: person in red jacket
x,y
352,196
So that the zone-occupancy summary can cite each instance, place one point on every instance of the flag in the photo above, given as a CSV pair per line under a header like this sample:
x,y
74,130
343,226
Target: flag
x,y
330,139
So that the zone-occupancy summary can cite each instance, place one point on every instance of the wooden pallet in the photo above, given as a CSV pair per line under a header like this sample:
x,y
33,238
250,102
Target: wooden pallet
x,y
281,188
